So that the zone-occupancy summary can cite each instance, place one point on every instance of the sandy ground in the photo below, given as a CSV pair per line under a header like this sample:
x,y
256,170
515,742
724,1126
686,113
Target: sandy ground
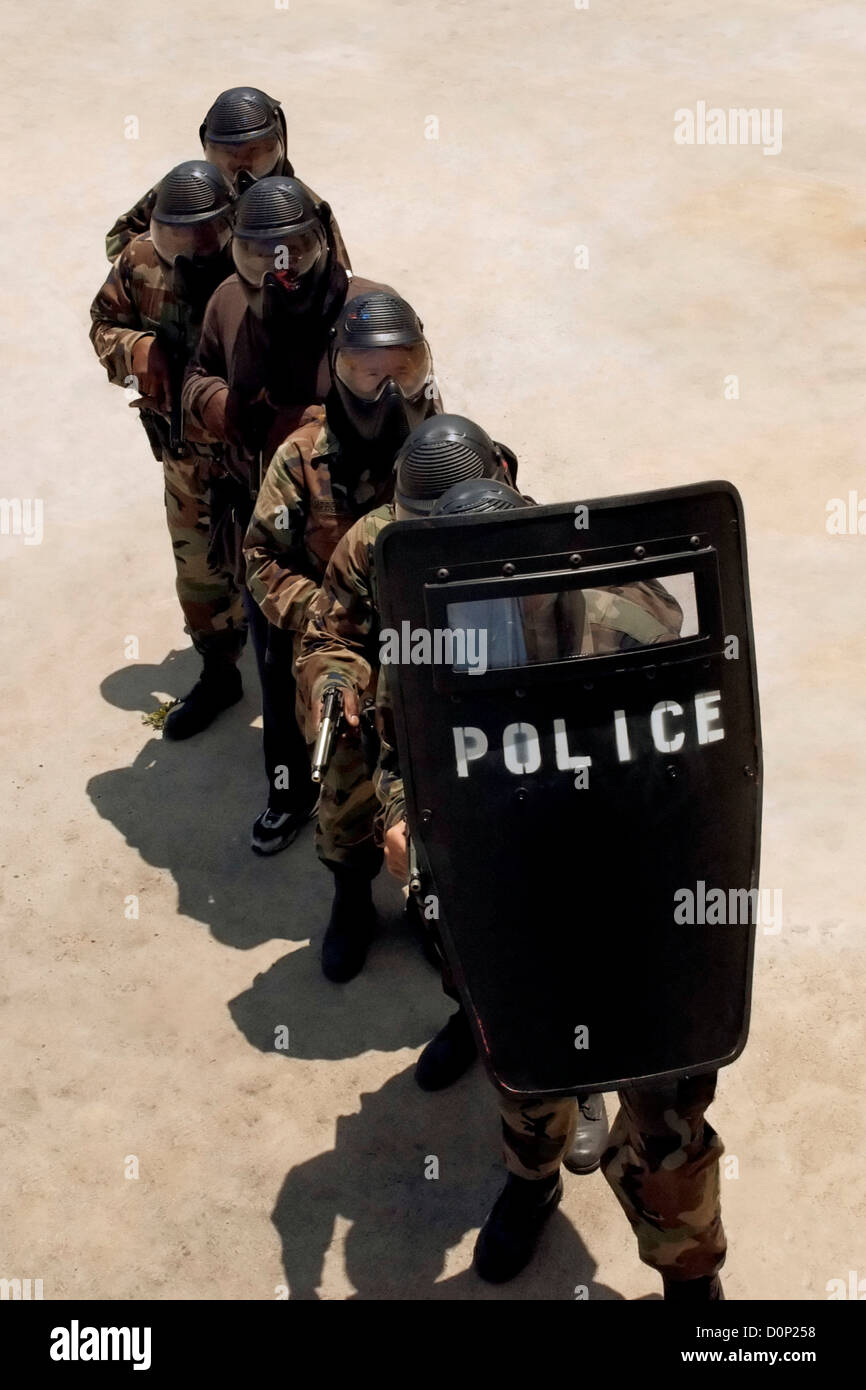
x,y
153,1037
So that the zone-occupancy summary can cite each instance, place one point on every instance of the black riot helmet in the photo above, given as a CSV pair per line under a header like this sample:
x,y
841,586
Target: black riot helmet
x,y
381,371
281,246
444,450
479,495
244,134
191,229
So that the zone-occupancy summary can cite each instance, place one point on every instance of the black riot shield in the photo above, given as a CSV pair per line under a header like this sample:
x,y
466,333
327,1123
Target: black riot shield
x,y
576,715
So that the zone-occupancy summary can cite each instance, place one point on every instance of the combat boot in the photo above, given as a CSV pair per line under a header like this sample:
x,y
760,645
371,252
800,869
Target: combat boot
x,y
218,687
707,1289
590,1137
507,1240
447,1056
351,926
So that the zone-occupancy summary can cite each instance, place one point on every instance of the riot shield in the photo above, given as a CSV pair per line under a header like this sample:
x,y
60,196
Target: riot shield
x,y
576,715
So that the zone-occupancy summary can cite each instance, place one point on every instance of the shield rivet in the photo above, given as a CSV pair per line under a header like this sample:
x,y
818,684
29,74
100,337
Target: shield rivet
x,y
521,794
695,541
426,817
508,568
748,771
442,574
575,559
639,552
671,770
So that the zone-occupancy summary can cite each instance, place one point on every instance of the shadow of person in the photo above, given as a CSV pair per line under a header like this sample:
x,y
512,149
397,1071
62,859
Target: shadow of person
x,y
414,1173
188,807
138,684
337,1021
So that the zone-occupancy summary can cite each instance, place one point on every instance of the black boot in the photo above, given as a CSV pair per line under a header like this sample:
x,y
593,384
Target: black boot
x,y
590,1138
707,1289
508,1238
218,687
352,924
447,1056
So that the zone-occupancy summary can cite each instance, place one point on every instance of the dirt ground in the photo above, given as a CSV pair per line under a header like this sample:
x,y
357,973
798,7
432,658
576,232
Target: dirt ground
x,y
150,1038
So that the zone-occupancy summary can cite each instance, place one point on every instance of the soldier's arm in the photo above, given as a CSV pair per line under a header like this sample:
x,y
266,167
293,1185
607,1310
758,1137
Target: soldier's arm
x,y
277,566
388,780
116,323
207,372
338,642
130,224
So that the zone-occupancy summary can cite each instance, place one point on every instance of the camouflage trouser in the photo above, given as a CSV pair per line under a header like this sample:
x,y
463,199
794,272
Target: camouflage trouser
x,y
662,1162
211,600
347,801
347,808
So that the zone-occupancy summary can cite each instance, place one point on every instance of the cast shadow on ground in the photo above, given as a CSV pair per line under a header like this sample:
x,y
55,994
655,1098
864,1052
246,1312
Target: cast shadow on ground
x,y
396,1001
403,1223
188,807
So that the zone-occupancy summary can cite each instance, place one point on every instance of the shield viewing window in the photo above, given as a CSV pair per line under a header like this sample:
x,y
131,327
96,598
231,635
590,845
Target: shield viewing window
x,y
615,610
576,623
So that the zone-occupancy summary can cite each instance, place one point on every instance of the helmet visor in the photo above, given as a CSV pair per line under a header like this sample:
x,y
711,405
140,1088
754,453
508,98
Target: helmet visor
x,y
366,371
257,157
173,239
287,257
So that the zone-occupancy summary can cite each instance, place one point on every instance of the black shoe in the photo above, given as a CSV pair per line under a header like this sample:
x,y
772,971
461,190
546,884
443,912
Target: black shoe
x,y
218,687
351,926
275,830
508,1238
707,1289
447,1056
590,1139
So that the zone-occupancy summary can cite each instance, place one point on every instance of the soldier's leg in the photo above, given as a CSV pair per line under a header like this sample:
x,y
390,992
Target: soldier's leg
x,y
663,1164
210,599
452,1051
536,1137
291,794
345,845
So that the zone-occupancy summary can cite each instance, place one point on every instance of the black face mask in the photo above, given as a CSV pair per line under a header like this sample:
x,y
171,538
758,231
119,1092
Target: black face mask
x,y
274,304
375,429
194,278
244,179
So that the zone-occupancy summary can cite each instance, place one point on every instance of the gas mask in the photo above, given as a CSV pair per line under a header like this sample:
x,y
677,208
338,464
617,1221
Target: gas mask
x,y
193,241
383,391
281,273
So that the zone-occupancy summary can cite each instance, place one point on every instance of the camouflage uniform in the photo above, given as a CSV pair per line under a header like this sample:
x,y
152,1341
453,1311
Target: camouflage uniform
x,y
309,499
340,645
662,1160
134,303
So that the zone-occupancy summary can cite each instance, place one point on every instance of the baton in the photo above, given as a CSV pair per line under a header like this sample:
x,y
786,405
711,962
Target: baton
x,y
329,724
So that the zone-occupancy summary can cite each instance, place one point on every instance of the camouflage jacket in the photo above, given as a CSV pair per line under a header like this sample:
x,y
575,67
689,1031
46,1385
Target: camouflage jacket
x,y
137,220
309,499
341,645
136,302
